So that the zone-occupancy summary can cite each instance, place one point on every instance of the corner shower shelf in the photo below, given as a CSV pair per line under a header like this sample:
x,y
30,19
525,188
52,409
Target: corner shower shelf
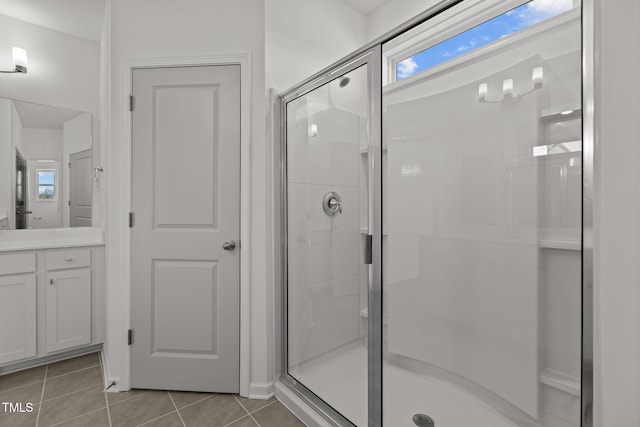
x,y
564,244
561,114
561,381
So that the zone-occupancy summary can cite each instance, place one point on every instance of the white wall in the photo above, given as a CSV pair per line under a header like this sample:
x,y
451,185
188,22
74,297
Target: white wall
x,y
617,233
305,36
42,144
62,72
394,13
6,157
165,28
16,129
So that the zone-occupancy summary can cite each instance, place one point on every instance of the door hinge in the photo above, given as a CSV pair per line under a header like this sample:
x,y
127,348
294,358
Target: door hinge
x,y
69,202
131,219
129,337
131,105
368,249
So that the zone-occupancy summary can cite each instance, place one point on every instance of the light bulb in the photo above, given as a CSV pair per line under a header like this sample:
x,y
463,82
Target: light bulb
x,y
19,59
483,89
537,76
507,87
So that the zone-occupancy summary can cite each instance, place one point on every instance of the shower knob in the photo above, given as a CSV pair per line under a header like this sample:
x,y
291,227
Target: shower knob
x,y
332,203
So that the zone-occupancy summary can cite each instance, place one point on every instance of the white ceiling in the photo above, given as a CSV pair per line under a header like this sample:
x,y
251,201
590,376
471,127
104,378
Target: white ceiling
x,y
78,18
38,116
365,6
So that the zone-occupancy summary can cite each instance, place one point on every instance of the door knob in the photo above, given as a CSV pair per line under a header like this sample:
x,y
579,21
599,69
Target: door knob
x,y
229,245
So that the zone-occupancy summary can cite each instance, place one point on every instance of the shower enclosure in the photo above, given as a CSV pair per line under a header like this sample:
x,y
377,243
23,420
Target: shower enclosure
x,y
435,190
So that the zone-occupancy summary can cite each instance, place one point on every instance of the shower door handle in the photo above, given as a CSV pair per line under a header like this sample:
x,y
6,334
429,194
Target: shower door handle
x,y
368,249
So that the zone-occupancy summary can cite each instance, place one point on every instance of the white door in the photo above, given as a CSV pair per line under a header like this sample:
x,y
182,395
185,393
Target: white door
x,y
80,189
44,194
186,201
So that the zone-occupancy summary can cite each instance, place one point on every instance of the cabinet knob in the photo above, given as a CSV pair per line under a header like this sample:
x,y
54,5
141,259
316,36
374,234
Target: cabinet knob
x,y
51,281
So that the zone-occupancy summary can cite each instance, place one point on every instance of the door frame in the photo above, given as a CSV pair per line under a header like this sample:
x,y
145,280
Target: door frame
x,y
243,59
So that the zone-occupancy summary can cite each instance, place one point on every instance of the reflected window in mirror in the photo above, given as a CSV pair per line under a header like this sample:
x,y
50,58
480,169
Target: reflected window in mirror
x,y
47,184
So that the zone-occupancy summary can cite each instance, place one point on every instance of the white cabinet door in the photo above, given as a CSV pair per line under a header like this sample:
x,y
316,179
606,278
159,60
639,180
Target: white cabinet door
x,y
17,317
68,308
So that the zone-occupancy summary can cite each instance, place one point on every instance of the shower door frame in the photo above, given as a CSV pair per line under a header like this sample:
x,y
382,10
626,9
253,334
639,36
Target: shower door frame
x,y
371,58
371,54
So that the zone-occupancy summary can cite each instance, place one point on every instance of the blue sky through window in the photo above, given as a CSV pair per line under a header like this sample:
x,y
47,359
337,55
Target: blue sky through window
x,y
46,177
508,23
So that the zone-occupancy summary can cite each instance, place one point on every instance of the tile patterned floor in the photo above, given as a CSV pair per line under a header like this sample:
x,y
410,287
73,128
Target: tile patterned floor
x,y
70,394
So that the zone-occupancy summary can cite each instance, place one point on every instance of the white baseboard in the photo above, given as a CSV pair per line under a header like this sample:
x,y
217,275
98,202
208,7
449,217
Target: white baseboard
x,y
304,412
261,391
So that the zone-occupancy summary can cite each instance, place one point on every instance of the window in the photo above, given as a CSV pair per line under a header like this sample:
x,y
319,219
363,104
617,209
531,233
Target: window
x,y
515,20
46,184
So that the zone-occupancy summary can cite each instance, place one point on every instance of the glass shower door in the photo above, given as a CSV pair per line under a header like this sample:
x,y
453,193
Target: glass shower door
x,y
327,223
482,217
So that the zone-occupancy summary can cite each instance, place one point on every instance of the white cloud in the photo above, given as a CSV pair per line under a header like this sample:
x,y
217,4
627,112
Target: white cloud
x,y
539,10
406,68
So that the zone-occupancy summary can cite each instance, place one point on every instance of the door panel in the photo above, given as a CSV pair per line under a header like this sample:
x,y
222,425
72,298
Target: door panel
x,y
185,286
68,308
80,189
17,317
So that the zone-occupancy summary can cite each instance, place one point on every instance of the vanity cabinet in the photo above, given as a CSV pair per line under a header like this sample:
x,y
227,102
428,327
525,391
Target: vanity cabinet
x,y
51,301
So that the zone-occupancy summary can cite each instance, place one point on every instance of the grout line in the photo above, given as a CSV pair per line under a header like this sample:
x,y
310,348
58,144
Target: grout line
x,y
21,385
72,392
74,372
247,411
176,406
240,403
106,401
76,417
261,408
198,401
236,420
44,383
254,420
155,419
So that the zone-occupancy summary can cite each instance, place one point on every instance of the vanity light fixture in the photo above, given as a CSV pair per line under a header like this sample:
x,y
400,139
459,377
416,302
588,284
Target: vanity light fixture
x,y
508,91
313,130
19,61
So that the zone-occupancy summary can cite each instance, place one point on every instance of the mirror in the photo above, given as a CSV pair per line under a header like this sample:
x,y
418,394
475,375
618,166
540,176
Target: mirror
x,y
49,129
50,159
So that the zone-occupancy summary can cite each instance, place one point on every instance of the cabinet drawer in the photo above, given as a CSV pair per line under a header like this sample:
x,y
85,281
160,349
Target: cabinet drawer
x,y
17,263
68,259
